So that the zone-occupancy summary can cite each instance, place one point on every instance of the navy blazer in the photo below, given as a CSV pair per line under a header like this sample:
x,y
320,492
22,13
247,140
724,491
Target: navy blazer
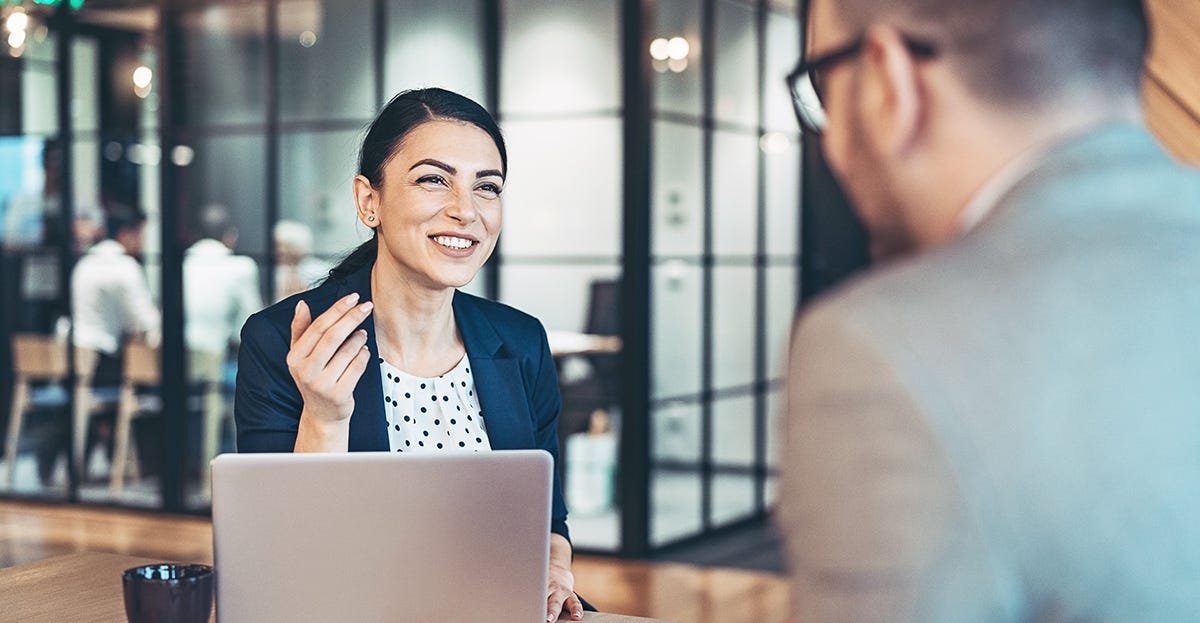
x,y
515,378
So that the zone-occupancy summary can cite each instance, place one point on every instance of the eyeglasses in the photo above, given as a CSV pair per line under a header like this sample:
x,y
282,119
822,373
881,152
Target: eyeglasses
x,y
806,82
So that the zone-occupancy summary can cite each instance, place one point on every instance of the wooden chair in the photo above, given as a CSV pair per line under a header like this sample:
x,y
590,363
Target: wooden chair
x,y
142,369
43,358
205,368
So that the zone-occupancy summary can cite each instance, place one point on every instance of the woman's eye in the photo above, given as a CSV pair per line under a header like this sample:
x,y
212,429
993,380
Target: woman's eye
x,y
432,179
489,188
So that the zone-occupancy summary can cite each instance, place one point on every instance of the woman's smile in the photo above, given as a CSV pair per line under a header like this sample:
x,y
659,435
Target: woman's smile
x,y
455,245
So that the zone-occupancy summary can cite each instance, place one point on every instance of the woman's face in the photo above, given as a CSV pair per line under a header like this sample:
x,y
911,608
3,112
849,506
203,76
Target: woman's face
x,y
438,211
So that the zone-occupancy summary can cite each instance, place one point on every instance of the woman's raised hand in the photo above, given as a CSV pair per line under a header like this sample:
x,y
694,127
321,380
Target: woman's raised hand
x,y
326,359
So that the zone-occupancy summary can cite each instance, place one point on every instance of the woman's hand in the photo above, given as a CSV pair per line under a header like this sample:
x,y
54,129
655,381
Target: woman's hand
x,y
561,598
326,359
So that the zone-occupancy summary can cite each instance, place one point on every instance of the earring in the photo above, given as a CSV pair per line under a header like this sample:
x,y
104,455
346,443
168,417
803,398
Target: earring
x,y
371,219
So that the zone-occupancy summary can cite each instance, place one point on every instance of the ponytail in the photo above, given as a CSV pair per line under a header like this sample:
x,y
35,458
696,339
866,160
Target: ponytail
x,y
362,255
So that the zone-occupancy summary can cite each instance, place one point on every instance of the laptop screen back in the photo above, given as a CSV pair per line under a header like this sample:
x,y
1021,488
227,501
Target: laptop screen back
x,y
381,536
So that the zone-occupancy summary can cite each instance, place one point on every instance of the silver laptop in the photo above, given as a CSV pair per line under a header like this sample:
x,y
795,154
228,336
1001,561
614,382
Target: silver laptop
x,y
382,536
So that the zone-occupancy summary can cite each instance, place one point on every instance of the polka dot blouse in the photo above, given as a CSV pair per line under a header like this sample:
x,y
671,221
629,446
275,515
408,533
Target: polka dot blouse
x,y
431,415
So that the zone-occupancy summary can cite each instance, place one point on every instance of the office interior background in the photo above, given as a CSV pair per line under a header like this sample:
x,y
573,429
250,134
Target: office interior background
x,y
659,192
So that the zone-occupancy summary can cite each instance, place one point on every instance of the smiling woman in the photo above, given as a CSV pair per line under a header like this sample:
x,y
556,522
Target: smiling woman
x,y
386,354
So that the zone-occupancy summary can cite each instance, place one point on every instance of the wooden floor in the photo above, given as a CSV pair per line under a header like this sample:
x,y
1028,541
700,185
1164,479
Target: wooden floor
x,y
676,592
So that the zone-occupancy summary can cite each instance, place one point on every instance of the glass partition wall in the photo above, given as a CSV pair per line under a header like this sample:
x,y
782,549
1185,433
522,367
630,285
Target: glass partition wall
x,y
79,207
233,127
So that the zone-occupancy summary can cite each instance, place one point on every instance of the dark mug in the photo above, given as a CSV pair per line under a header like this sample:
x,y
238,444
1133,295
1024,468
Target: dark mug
x,y
168,593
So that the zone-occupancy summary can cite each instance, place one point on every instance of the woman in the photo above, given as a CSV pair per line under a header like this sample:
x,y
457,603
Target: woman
x,y
387,354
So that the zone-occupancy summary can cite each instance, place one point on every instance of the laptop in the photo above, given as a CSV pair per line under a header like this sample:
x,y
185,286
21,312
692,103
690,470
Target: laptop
x,y
376,536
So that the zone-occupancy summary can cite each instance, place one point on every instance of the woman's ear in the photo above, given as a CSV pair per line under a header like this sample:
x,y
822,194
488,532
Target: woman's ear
x,y
892,97
366,198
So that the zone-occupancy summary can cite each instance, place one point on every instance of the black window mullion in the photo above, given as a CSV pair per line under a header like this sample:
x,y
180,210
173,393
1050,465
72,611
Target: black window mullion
x,y
708,35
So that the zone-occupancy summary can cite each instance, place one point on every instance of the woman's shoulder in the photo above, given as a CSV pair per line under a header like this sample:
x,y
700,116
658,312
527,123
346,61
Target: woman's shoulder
x,y
508,321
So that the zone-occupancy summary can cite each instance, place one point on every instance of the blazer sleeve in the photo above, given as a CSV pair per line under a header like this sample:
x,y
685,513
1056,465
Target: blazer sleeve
x,y
871,511
267,404
547,404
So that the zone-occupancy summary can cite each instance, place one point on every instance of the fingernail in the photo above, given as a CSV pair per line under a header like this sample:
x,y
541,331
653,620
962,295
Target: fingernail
x,y
365,307
352,299
300,304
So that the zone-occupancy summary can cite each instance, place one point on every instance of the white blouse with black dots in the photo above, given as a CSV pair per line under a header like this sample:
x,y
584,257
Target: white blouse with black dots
x,y
426,415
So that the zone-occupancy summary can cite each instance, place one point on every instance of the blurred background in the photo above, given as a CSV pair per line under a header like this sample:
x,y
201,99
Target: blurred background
x,y
663,220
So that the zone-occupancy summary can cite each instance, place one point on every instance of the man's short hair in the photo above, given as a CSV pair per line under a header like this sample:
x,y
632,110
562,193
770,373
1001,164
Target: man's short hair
x,y
215,221
1023,52
119,217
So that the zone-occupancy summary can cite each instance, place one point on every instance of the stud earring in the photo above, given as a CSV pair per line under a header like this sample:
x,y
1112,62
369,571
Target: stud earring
x,y
371,219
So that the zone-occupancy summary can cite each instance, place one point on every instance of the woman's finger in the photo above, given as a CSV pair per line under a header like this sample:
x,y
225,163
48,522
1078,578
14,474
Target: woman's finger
x,y
354,371
337,334
303,346
301,320
345,355
554,605
574,606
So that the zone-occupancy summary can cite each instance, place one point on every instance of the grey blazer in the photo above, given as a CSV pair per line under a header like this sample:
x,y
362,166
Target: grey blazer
x,y
1008,428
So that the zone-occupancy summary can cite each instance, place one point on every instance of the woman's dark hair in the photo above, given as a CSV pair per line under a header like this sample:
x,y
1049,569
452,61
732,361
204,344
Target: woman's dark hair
x,y
403,114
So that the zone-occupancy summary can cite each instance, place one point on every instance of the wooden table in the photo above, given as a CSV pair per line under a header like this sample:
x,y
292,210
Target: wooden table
x,y
569,343
86,588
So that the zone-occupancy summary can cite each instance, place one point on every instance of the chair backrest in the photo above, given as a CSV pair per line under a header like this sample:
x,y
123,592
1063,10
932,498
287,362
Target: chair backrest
x,y
604,314
142,365
39,357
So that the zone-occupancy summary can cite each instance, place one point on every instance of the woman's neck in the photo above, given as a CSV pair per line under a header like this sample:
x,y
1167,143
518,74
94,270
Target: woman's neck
x,y
414,326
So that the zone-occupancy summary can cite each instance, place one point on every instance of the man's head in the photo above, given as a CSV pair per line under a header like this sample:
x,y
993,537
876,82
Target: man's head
x,y
940,94
217,223
125,224
293,242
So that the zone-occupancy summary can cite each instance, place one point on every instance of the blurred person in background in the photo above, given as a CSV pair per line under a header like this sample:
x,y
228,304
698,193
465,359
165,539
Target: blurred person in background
x,y
110,298
110,304
220,289
296,270
88,227
359,363
1001,422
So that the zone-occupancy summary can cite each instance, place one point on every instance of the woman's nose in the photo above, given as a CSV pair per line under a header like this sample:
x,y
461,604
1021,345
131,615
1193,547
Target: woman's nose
x,y
461,206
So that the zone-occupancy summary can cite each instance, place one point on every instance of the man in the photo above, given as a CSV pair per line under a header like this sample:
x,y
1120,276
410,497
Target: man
x,y
1002,421
296,270
110,298
220,289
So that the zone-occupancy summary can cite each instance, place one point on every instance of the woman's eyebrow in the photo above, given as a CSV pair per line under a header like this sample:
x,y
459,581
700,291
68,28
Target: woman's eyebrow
x,y
453,171
436,163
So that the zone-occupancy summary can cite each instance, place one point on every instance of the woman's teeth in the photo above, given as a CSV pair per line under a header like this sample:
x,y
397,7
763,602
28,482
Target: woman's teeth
x,y
453,242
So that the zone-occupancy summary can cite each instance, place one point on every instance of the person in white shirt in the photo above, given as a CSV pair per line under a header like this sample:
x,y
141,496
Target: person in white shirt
x,y
296,270
220,289
110,299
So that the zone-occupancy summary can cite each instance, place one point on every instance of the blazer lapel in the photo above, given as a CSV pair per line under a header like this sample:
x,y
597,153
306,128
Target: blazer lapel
x,y
498,382
368,425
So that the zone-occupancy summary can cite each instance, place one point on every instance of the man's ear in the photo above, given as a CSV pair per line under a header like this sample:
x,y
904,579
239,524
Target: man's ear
x,y
892,101
366,199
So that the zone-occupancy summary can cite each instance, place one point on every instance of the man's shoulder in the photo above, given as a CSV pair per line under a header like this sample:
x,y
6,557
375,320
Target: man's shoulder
x,y
908,285
107,264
